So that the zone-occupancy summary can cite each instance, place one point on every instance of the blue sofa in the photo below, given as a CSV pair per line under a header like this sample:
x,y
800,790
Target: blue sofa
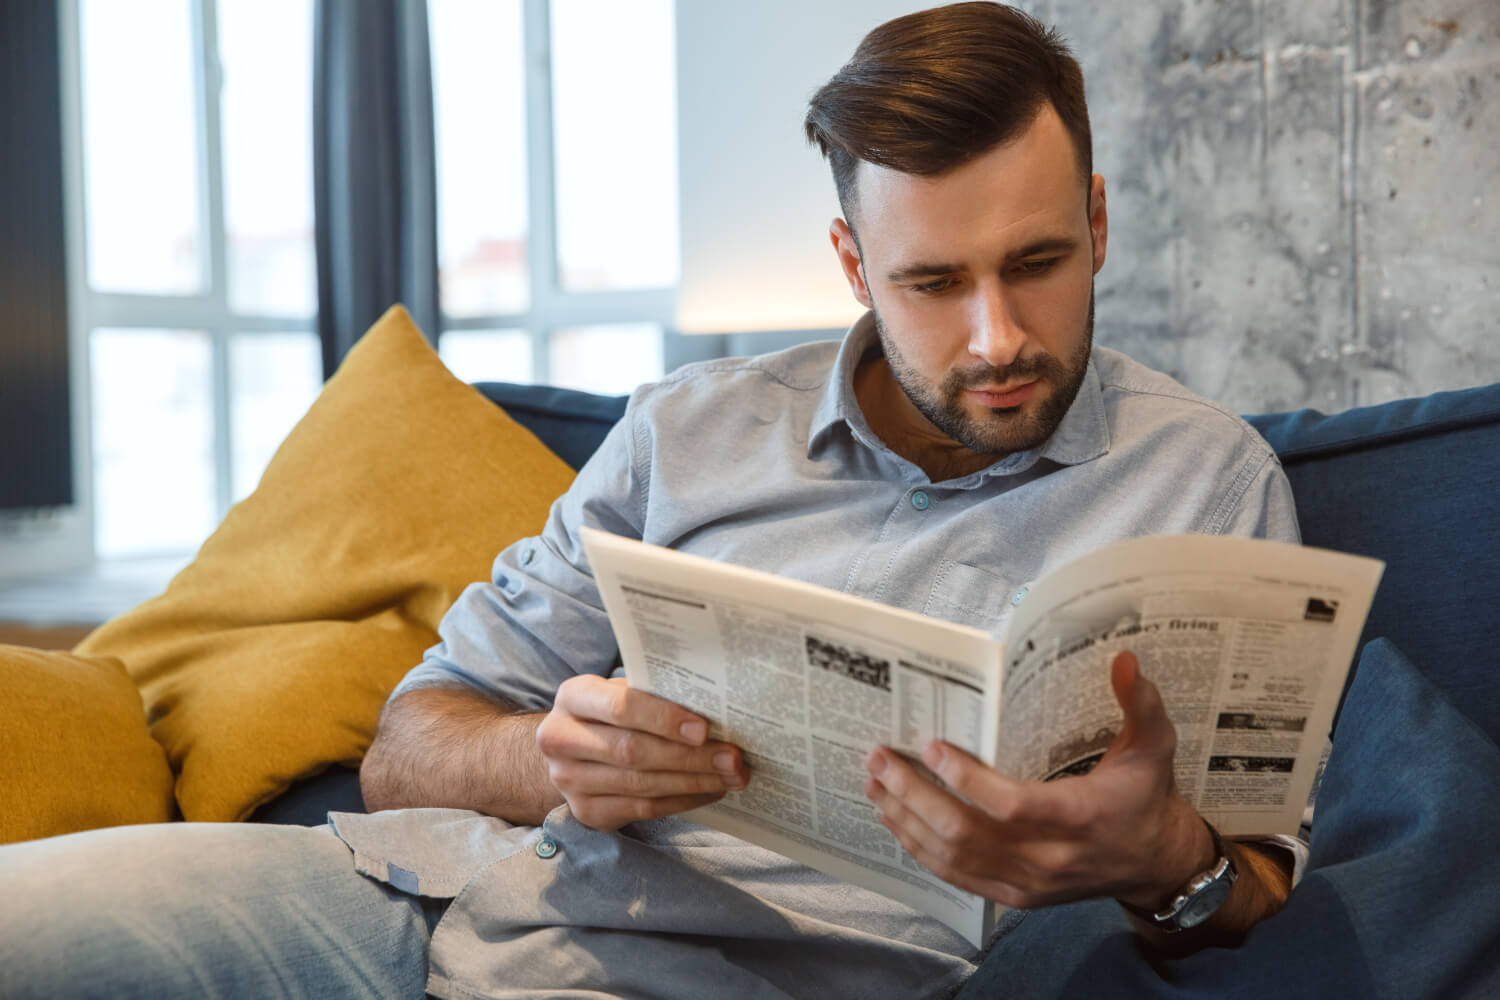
x,y
1402,897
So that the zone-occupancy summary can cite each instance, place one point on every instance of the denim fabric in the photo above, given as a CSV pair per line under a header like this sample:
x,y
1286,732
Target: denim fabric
x,y
1401,897
203,911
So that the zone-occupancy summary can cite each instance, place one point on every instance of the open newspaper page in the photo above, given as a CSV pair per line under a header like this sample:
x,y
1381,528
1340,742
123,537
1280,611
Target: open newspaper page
x,y
1249,642
806,681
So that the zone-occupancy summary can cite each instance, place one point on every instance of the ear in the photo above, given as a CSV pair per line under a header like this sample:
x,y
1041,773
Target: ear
x,y
1098,220
842,238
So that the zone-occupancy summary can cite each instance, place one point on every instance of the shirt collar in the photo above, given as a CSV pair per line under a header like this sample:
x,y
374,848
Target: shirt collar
x,y
838,404
1082,436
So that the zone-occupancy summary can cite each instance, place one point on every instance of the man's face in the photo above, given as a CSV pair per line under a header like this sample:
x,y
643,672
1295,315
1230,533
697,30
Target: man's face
x,y
981,280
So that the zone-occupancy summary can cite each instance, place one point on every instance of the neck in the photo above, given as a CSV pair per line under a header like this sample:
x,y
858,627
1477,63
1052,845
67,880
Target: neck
x,y
904,430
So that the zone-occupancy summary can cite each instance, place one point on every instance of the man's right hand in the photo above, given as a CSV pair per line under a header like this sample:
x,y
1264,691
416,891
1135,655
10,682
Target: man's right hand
x,y
618,755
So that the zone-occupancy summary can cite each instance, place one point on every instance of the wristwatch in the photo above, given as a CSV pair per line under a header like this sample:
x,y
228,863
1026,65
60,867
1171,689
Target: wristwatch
x,y
1199,899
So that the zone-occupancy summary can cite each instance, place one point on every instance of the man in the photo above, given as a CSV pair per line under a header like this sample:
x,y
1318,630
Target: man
x,y
964,437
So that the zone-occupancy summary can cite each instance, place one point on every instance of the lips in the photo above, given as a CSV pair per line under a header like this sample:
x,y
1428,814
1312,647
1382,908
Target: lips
x,y
1005,398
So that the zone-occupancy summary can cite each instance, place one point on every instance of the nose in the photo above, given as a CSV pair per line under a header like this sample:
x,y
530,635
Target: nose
x,y
995,332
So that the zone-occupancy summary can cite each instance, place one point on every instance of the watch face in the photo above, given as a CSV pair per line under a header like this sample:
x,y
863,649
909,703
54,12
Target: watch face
x,y
1204,902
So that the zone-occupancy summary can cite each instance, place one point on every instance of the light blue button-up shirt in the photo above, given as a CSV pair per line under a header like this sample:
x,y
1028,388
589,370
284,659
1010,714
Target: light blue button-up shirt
x,y
769,463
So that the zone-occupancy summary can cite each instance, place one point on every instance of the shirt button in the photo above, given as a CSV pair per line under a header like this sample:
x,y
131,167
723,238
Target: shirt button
x,y
1019,596
920,500
546,848
527,555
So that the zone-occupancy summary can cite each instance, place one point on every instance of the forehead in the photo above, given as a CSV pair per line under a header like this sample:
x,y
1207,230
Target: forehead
x,y
1010,195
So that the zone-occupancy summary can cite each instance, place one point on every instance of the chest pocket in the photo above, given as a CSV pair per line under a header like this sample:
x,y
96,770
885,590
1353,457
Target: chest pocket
x,y
970,595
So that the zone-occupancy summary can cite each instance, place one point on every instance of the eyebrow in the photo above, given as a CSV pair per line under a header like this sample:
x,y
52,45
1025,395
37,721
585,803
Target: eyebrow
x,y
1051,244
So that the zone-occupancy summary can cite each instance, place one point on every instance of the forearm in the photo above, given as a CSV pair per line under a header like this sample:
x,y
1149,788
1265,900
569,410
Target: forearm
x,y
455,748
1260,891
1264,883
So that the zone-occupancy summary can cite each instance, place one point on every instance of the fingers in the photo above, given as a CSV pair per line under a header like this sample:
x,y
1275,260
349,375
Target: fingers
x,y
930,815
995,793
906,802
614,702
1033,843
573,777
563,736
926,847
940,865
1024,808
952,839
608,722
619,755
900,792
1042,852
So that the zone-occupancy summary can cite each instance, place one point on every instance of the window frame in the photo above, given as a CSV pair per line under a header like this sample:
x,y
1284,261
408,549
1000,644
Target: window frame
x,y
207,312
551,307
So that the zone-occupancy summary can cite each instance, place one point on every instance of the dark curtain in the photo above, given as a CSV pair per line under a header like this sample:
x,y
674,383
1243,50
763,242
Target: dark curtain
x,y
375,190
36,464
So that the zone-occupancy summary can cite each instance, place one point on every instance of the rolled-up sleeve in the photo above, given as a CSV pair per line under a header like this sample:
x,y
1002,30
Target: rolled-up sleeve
x,y
539,619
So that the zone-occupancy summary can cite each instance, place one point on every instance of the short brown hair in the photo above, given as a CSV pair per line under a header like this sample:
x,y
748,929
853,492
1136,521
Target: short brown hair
x,y
929,91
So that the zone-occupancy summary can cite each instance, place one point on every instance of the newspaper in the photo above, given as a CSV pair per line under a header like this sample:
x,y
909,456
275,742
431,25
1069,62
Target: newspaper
x,y
1248,640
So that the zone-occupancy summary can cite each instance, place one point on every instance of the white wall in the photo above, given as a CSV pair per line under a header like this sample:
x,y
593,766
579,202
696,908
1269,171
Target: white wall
x,y
1303,199
756,199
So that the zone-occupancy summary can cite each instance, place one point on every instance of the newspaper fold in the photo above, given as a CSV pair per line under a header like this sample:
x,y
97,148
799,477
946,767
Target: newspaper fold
x,y
1248,640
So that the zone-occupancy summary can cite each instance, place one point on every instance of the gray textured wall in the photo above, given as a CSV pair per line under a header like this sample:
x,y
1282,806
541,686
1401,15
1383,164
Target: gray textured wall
x,y
1304,194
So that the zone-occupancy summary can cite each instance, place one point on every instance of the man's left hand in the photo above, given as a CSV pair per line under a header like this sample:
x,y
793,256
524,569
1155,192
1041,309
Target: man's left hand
x,y
1121,830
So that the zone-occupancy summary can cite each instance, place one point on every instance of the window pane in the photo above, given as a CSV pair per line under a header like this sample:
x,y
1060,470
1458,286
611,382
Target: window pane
x,y
153,441
608,359
273,379
479,94
487,355
265,48
614,99
140,146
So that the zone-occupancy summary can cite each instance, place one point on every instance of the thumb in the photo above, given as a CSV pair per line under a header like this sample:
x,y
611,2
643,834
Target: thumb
x,y
1146,723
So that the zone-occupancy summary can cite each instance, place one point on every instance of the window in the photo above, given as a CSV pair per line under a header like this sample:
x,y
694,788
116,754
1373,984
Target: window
x,y
616,144
200,298
558,214
555,127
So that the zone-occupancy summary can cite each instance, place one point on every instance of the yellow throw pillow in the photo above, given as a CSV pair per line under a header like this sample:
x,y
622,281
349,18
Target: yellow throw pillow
x,y
268,658
74,750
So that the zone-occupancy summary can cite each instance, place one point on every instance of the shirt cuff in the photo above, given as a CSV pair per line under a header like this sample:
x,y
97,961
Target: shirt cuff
x,y
1295,845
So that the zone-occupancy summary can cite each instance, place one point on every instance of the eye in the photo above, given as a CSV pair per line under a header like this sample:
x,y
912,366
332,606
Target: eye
x,y
1032,268
934,287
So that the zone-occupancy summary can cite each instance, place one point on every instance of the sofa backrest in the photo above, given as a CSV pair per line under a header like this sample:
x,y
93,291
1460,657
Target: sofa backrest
x,y
571,423
1414,482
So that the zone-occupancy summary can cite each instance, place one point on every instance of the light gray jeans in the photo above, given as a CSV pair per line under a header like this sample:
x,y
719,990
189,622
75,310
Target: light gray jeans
x,y
242,910
204,910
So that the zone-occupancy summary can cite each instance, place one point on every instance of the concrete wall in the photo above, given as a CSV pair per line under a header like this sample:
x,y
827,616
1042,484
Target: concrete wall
x,y
1304,194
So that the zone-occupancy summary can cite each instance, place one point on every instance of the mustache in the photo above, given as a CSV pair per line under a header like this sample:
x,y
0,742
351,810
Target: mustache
x,y
1038,366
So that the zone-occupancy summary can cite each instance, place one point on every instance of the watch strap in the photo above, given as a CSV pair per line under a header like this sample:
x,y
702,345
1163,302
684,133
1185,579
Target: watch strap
x,y
1208,889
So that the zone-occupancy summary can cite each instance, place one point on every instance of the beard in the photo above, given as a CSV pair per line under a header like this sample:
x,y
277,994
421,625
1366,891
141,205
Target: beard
x,y
1005,429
